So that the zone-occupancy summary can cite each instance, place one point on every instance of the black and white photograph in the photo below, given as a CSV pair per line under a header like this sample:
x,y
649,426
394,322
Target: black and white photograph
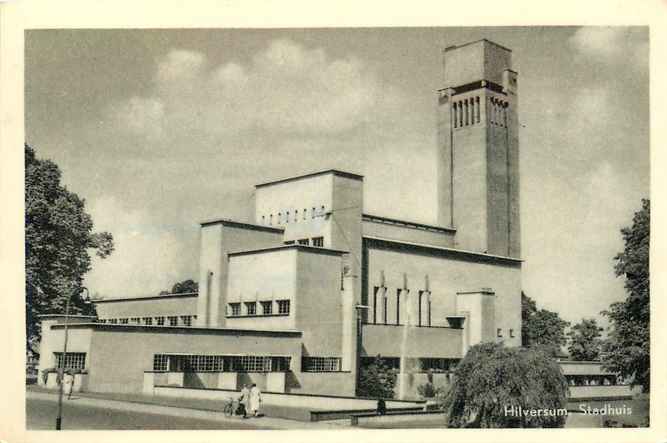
x,y
337,228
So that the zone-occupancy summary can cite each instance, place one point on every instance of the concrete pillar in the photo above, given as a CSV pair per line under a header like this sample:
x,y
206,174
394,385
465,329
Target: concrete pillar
x,y
349,324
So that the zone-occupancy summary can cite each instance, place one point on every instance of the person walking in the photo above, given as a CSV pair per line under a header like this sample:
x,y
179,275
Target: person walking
x,y
244,400
68,380
255,400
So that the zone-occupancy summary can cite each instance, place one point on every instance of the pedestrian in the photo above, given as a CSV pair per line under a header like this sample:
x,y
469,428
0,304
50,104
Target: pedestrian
x,y
68,379
244,399
382,407
255,399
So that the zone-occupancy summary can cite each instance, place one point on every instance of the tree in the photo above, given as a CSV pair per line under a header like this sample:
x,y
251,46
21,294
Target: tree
x,y
58,240
627,350
183,287
585,342
492,380
541,327
377,380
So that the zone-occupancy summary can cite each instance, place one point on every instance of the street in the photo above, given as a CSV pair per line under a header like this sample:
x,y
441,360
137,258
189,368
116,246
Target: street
x,y
41,415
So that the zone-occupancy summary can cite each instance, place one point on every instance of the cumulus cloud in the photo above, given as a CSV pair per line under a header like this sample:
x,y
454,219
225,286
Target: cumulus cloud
x,y
600,41
140,116
286,88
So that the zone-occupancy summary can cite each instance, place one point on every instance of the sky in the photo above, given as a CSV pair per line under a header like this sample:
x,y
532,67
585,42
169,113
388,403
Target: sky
x,y
161,129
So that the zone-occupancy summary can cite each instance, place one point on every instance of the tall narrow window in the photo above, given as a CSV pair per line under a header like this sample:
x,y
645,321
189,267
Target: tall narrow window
x,y
375,303
251,308
296,215
287,217
460,114
263,220
419,300
318,241
270,219
312,213
398,307
280,218
384,306
467,112
428,308
477,107
283,307
305,212
455,110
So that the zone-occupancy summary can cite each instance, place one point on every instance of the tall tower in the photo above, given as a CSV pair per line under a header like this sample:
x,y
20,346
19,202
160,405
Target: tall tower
x,y
478,148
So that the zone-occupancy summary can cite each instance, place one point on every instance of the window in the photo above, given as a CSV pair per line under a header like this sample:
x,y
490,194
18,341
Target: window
x,y
318,241
296,215
101,320
512,333
235,309
147,321
73,360
160,362
305,213
323,211
280,218
437,364
499,333
135,320
267,307
287,217
270,219
283,306
159,321
186,320
113,321
304,241
251,308
289,242
312,212
251,363
263,220
124,321
173,320
320,364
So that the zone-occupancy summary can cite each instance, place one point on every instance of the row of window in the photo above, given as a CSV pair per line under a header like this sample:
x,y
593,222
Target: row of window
x,y
420,364
499,333
498,112
250,308
219,363
294,216
380,307
320,364
170,320
72,360
315,241
467,112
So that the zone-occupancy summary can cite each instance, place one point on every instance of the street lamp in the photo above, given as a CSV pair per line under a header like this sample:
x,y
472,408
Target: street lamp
x,y
359,309
61,370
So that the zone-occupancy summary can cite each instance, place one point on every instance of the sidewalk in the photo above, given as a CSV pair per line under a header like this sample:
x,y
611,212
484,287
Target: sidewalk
x,y
196,409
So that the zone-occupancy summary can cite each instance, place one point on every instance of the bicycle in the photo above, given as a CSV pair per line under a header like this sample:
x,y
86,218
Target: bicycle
x,y
230,406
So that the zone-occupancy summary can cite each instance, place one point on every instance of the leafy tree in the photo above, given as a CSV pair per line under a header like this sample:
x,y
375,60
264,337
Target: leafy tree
x,y
491,379
541,327
585,342
627,350
377,380
183,287
58,240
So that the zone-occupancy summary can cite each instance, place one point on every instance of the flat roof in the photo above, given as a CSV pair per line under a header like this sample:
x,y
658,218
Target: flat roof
x,y
242,225
147,297
155,328
406,224
445,249
305,248
452,47
313,174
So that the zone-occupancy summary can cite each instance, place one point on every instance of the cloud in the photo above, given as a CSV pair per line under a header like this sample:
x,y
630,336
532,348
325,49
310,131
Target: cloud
x,y
139,116
285,88
148,256
600,41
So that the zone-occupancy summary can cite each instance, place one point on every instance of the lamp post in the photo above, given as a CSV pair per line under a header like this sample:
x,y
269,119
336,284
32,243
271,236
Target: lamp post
x,y
61,369
359,309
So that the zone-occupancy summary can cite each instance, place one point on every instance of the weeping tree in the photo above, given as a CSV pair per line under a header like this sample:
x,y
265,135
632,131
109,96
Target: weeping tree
x,y
377,380
493,384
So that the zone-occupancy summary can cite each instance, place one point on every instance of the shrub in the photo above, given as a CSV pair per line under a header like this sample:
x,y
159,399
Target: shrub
x,y
492,379
377,380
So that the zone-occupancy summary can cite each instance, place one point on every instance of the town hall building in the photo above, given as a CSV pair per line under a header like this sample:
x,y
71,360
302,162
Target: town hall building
x,y
314,288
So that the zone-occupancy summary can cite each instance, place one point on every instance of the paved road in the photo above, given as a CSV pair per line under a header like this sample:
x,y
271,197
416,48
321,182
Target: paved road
x,y
41,415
